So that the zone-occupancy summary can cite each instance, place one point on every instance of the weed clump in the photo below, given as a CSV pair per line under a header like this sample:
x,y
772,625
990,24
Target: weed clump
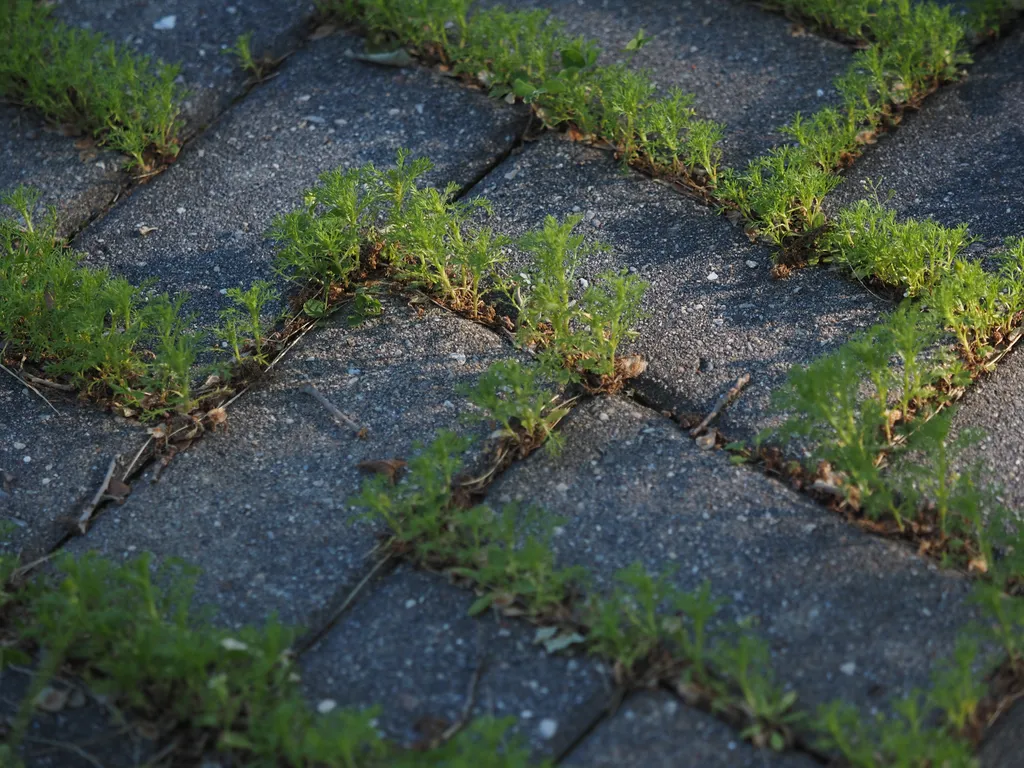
x,y
430,520
870,412
101,335
85,325
358,221
586,333
122,99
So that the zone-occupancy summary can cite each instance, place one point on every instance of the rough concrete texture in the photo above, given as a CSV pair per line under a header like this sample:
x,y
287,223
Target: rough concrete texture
x,y
51,464
411,646
79,183
714,311
847,615
995,405
747,68
265,509
1004,744
213,207
652,729
83,733
961,158
195,34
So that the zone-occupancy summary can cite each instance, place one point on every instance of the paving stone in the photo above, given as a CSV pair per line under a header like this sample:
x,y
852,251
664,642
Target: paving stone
x,y
81,736
847,615
323,111
264,509
38,156
1004,744
744,65
711,315
995,405
961,158
411,647
652,729
67,457
194,34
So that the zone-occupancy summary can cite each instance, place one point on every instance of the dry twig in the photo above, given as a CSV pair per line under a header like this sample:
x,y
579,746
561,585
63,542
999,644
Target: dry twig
x,y
340,416
720,406
19,378
87,513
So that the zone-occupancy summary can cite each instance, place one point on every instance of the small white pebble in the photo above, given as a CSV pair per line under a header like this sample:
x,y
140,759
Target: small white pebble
x,y
326,706
848,668
19,446
46,481
419,109
820,92
180,211
166,23
410,603
547,728
751,264
712,276
27,459
394,112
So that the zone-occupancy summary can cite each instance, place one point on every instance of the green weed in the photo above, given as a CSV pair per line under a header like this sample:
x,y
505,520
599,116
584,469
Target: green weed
x,y
243,325
485,548
650,629
584,333
521,400
74,321
903,739
73,76
912,256
925,729
357,220
913,48
258,67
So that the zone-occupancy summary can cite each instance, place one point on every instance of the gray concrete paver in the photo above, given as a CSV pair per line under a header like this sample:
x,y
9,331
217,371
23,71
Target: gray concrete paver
x,y
995,406
847,615
410,646
651,729
713,310
960,159
50,464
38,156
264,509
